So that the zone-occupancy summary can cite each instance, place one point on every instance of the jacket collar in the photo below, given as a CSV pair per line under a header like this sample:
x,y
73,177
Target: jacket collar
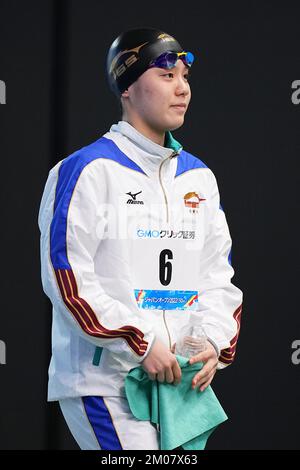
x,y
145,144
143,151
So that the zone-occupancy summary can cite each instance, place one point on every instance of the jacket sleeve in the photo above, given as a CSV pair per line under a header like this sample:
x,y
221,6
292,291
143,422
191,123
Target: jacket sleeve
x,y
220,301
71,226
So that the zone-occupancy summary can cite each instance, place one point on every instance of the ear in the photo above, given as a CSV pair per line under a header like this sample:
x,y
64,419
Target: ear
x,y
125,93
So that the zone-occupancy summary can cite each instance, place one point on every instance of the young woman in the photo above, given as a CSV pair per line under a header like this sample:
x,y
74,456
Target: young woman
x,y
134,247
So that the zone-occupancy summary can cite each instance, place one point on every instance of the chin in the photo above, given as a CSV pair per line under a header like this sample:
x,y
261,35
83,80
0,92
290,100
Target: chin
x,y
176,125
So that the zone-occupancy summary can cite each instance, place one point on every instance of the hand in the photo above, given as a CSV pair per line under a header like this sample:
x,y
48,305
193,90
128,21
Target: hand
x,y
161,364
210,359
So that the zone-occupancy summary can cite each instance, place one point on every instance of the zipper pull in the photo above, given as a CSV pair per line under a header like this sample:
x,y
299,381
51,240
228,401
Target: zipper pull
x,y
174,154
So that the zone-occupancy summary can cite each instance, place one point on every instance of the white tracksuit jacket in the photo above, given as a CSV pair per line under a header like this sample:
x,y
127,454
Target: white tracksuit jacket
x,y
134,245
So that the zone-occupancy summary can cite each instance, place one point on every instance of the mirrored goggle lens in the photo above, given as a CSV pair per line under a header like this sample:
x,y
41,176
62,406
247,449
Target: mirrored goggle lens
x,y
188,58
166,60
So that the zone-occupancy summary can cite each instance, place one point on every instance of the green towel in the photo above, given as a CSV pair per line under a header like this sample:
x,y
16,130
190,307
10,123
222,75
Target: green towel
x,y
185,416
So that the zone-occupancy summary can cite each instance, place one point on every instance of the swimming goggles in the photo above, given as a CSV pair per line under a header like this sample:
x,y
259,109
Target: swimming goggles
x,y
167,60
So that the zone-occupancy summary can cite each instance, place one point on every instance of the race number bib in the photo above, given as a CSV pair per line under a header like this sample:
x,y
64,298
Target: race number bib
x,y
165,273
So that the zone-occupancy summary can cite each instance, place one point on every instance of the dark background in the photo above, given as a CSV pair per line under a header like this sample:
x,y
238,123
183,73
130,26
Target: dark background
x,y
241,122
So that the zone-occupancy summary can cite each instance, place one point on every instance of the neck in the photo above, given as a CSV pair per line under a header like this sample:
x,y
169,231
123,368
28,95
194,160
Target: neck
x,y
155,135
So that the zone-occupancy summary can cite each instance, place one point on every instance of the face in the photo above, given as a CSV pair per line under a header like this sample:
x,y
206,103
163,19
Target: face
x,y
153,97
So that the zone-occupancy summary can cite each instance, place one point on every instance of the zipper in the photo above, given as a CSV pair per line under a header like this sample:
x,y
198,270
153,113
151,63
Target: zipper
x,y
167,210
170,342
162,186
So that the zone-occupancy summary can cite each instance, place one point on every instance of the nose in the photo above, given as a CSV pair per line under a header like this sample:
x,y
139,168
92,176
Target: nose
x,y
182,86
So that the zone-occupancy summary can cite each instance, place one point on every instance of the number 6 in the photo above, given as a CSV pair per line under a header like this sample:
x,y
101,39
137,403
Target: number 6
x,y
165,267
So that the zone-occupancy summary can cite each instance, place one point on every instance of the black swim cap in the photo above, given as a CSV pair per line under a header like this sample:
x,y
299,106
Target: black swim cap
x,y
131,52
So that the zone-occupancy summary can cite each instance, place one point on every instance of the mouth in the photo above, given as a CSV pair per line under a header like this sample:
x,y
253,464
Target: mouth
x,y
182,106
179,107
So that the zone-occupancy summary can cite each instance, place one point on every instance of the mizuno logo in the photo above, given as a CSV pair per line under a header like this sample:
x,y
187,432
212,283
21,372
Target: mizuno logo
x,y
133,200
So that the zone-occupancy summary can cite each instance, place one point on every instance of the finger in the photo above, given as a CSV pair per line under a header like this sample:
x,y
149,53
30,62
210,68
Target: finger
x,y
161,376
176,372
198,379
204,373
207,367
169,376
204,356
152,376
173,348
204,380
207,383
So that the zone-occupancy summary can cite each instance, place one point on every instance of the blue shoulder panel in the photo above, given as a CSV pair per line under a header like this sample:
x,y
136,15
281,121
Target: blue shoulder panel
x,y
186,161
69,172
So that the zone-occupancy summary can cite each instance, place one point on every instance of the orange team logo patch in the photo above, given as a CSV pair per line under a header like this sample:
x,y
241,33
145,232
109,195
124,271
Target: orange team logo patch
x,y
192,200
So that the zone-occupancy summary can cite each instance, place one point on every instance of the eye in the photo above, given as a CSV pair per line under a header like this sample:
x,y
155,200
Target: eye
x,y
187,76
